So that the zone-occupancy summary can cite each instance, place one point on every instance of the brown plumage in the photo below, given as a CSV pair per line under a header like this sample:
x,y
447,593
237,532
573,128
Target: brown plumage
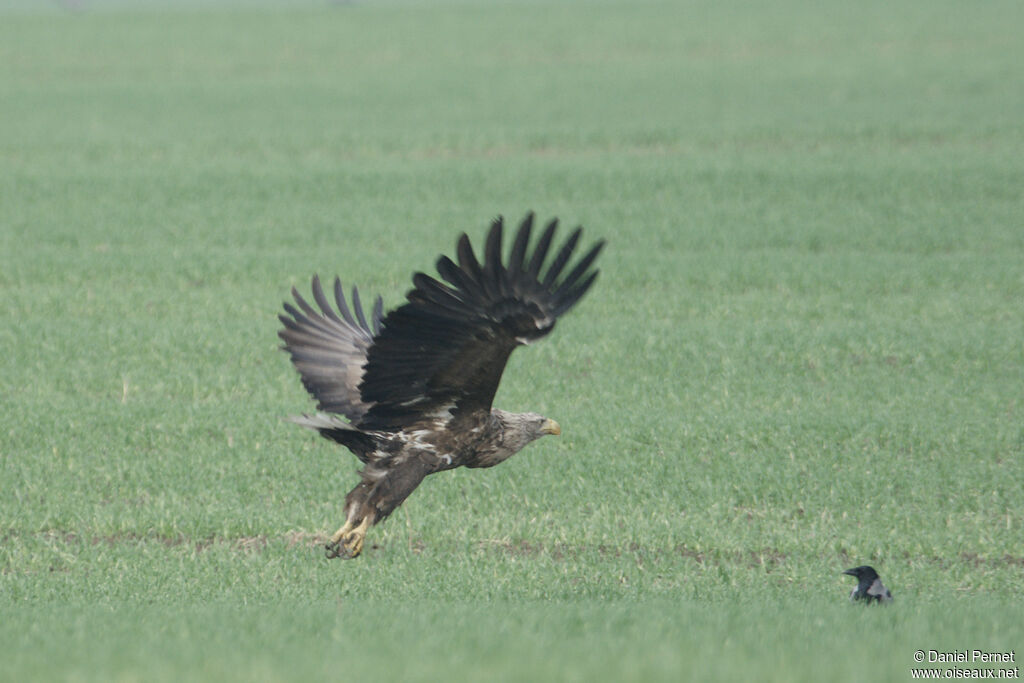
x,y
415,386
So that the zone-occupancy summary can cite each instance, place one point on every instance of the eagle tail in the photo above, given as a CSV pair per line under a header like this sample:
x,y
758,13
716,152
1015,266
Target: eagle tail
x,y
330,427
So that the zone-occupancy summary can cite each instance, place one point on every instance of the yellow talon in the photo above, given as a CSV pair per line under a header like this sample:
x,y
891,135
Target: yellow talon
x,y
340,533
354,541
347,542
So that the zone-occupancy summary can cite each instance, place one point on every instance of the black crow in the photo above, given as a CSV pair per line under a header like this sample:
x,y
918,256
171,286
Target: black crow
x,y
870,586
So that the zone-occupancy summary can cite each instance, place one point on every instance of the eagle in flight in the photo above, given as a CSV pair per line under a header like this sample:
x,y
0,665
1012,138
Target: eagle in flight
x,y
415,385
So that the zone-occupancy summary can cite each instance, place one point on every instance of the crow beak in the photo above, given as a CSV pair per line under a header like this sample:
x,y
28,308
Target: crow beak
x,y
550,427
850,572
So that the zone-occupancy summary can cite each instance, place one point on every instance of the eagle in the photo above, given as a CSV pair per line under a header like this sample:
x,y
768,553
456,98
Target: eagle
x,y
410,392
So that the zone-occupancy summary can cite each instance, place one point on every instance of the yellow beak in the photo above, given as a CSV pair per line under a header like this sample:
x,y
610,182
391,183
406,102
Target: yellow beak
x,y
551,427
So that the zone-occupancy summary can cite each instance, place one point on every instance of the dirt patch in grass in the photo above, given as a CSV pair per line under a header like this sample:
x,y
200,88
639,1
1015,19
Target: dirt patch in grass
x,y
291,539
767,558
521,548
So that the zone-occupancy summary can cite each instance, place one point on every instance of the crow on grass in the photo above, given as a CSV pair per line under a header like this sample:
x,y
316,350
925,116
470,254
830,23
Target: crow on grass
x,y
870,586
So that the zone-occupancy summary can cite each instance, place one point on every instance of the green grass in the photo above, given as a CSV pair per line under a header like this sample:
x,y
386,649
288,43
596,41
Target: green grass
x,y
804,352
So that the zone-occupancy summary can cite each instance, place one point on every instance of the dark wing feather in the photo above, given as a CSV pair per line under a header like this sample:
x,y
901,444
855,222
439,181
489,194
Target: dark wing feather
x,y
446,348
329,348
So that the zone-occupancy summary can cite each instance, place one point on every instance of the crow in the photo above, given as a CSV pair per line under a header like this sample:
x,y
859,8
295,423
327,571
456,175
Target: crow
x,y
870,587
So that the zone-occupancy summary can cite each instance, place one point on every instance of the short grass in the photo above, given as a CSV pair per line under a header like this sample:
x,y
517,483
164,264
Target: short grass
x,y
804,352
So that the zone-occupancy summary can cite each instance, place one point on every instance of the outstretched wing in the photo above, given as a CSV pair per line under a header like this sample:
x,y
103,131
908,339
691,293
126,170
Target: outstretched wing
x,y
329,350
445,350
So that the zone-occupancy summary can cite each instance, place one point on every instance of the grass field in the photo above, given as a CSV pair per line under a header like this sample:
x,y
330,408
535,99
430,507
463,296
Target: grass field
x,y
804,352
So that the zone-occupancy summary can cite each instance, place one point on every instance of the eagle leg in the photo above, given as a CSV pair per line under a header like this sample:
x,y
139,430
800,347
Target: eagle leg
x,y
334,547
347,542
381,491
355,502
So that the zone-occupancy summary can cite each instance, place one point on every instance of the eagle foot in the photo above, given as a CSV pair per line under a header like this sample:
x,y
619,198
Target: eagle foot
x,y
347,542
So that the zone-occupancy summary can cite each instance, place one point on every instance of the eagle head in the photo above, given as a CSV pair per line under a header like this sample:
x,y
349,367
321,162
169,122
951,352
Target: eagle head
x,y
532,425
513,431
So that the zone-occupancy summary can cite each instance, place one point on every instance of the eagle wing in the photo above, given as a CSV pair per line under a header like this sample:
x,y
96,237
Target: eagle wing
x,y
328,349
443,352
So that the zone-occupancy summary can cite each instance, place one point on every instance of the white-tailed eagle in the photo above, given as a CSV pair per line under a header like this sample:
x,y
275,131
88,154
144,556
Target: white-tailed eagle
x,y
415,385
